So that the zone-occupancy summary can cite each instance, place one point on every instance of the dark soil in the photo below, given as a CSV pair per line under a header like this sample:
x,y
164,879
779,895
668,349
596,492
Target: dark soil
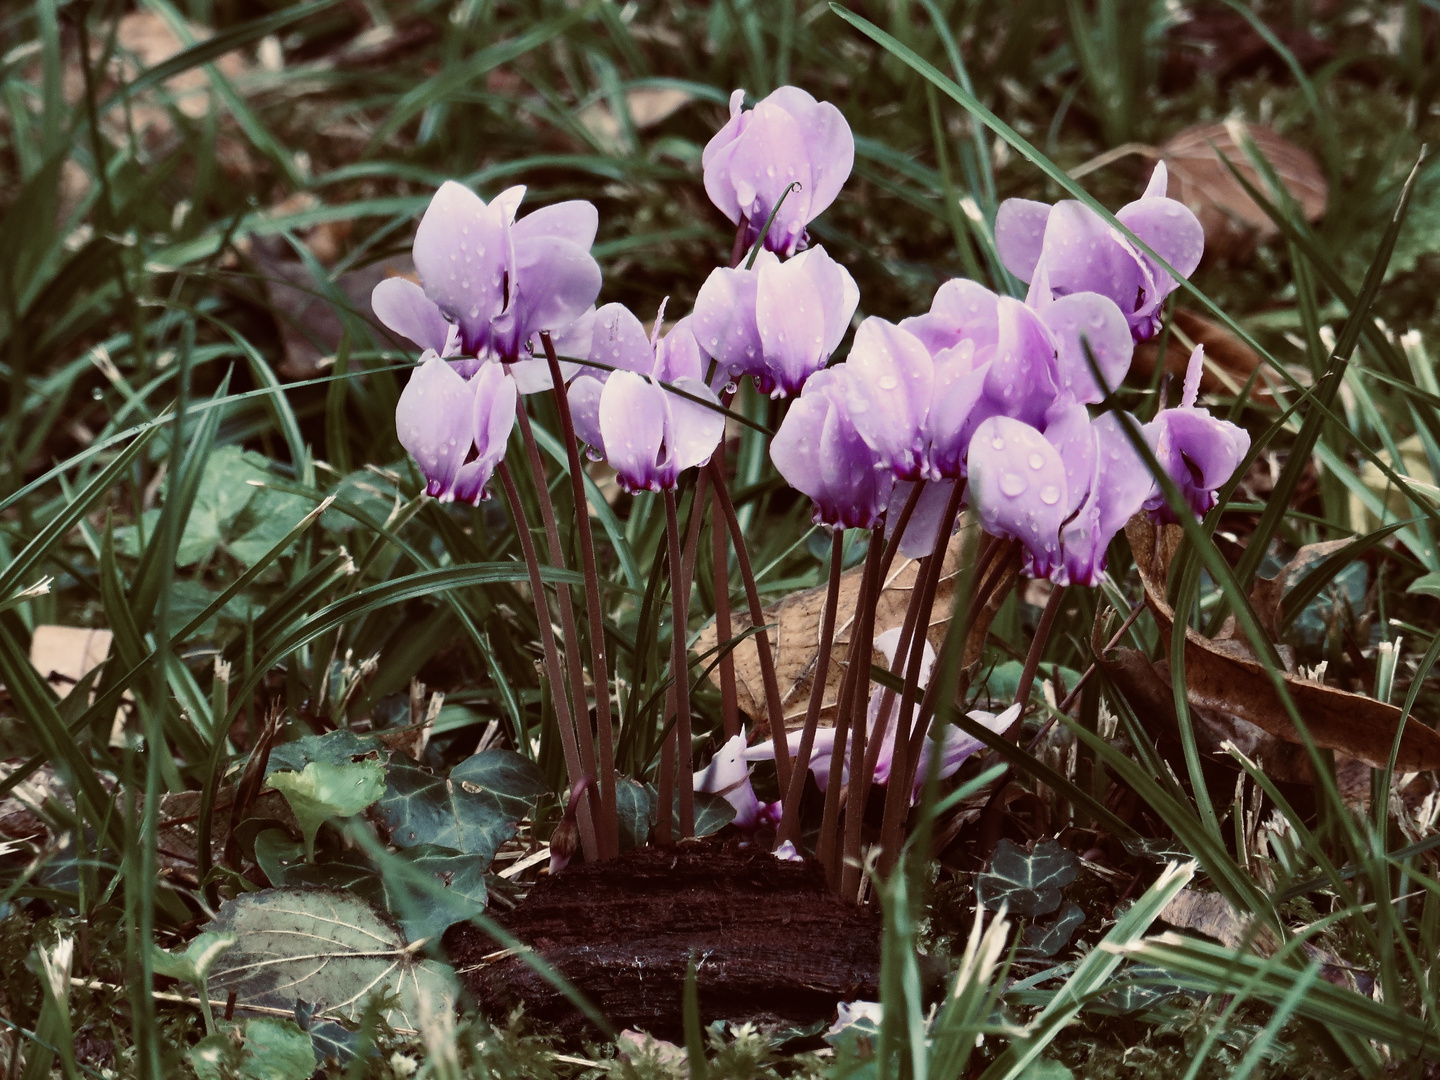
x,y
771,943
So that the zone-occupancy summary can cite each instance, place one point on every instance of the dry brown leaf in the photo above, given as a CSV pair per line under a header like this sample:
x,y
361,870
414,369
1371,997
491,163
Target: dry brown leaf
x,y
64,655
648,105
1229,362
1267,594
1215,917
1233,222
1223,676
795,641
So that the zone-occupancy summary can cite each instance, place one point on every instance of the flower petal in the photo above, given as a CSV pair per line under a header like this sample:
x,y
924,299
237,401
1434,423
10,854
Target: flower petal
x,y
575,220
1021,379
724,318
693,430
585,411
1169,227
434,422
1082,319
403,307
829,144
888,394
632,426
1020,235
1068,429
620,341
790,314
493,417
459,252
1085,254
1017,486
555,283
962,310
770,156
728,775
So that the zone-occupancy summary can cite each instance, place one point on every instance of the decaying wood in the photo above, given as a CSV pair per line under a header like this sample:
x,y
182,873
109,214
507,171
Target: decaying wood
x,y
795,638
1224,676
771,943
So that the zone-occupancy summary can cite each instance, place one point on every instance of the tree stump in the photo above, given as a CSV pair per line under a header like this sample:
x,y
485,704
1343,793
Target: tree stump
x,y
771,944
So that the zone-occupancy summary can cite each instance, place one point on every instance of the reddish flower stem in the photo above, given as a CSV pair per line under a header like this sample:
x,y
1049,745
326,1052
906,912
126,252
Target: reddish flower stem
x,y
757,619
790,815
573,766
573,664
720,555
680,669
594,612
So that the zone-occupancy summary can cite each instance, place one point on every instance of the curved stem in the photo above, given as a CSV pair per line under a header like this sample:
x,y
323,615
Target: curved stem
x,y
762,639
581,704
594,612
680,670
790,815
573,764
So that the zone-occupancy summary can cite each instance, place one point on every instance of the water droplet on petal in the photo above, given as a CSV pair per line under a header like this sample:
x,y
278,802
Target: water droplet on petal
x,y
997,443
888,382
1050,494
1013,484
1037,460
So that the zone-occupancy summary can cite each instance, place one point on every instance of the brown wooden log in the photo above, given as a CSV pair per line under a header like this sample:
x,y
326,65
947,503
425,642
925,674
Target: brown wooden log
x,y
771,943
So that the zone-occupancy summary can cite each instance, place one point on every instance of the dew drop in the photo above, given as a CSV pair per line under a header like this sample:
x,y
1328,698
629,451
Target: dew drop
x,y
997,443
1012,484
1050,494
1037,460
888,382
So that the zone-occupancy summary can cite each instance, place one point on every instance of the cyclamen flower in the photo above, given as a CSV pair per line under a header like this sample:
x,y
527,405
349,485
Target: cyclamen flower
x,y
1084,253
819,453
788,138
441,418
1198,451
954,745
779,322
1063,494
647,433
491,283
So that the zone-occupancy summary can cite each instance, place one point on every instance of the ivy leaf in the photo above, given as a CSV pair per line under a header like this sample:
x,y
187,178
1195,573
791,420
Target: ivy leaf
x,y
276,1050
421,914
321,791
1029,883
419,808
1048,938
1151,987
635,804
712,813
513,781
325,947
338,747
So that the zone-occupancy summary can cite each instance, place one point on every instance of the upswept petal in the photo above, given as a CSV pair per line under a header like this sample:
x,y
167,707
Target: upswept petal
x,y
555,283
678,355
1083,253
434,422
958,388
1119,488
839,294
790,315
828,143
459,252
1089,318
584,395
1020,235
632,427
769,156
1017,486
715,159
1021,379
492,418
728,775
403,307
619,340
724,318
961,310
820,454
1169,227
1068,429
575,220
888,394
693,431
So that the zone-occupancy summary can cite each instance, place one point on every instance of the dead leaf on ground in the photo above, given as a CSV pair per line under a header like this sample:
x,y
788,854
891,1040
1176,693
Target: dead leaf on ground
x,y
648,105
64,655
795,640
1223,676
1233,222
1215,917
1229,362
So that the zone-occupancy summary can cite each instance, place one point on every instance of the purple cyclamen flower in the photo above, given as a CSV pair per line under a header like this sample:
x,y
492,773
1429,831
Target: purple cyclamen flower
x,y
912,408
441,418
1197,450
1084,253
779,322
647,433
788,138
1063,494
728,775
490,283
820,454
955,746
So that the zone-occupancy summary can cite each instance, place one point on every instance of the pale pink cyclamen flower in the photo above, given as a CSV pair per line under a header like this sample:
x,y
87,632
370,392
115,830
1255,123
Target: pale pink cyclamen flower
x,y
649,434
751,162
441,418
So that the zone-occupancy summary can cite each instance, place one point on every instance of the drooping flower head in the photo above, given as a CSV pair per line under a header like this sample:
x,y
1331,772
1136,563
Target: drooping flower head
x,y
819,453
442,418
788,138
1083,253
1063,493
491,282
649,434
1197,450
779,322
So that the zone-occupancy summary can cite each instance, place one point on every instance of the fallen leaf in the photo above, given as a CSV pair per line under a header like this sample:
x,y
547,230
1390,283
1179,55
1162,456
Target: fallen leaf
x,y
647,105
1215,917
328,947
1233,222
1229,362
64,655
1224,676
795,641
